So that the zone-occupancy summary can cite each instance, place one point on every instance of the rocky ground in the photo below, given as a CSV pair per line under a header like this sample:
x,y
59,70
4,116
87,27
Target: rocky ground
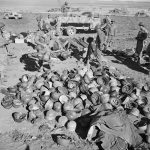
x,y
25,136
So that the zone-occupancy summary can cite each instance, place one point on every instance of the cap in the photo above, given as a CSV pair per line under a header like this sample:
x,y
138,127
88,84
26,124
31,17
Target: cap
x,y
141,24
2,24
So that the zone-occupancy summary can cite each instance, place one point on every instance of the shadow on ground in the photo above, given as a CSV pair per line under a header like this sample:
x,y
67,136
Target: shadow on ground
x,y
27,148
128,62
30,64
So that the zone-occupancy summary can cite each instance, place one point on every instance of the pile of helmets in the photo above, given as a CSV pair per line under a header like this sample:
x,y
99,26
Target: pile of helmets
x,y
61,99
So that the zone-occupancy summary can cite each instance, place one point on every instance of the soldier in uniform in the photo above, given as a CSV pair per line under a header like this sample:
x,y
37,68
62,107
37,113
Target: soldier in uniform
x,y
48,39
38,56
48,19
141,37
3,53
65,8
106,28
93,50
5,39
111,34
100,38
40,22
43,37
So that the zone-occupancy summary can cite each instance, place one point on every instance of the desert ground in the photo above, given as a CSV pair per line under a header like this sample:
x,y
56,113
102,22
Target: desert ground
x,y
26,136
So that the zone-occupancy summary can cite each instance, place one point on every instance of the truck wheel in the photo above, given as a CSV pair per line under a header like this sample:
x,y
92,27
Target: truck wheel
x,y
6,17
71,31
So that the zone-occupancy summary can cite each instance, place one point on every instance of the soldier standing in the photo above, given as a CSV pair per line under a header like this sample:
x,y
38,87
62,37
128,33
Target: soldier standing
x,y
100,39
5,39
43,37
111,34
39,21
38,56
3,52
93,50
65,8
141,37
106,28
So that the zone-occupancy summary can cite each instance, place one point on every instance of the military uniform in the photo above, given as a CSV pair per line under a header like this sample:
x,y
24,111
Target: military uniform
x,y
92,50
111,34
65,8
106,25
100,38
40,22
141,37
42,39
3,55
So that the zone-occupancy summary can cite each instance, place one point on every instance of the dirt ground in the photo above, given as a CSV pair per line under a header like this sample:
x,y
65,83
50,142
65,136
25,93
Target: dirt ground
x,y
25,136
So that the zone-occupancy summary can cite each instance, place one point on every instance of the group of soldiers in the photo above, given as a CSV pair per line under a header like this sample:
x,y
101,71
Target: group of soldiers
x,y
5,53
106,31
47,40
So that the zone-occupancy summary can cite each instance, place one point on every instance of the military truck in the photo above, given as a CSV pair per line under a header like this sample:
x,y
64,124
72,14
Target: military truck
x,y
12,15
72,24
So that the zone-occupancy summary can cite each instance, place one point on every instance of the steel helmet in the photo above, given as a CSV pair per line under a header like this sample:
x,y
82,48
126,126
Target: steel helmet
x,y
2,24
141,24
39,47
46,26
39,18
66,3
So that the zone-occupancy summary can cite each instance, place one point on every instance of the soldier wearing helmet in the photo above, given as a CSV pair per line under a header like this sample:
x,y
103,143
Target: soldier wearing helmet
x,y
41,57
40,22
5,39
111,34
92,50
48,19
106,28
65,8
4,52
43,38
100,39
2,30
141,37
38,56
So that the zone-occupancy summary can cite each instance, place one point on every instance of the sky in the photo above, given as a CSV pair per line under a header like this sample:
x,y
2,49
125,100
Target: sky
x,y
55,2
58,3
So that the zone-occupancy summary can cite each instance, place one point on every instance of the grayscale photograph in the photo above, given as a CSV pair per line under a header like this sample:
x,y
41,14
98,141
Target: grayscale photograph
x,y
74,74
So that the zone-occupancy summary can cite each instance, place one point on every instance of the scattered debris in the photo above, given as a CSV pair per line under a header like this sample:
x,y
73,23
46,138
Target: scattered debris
x,y
141,14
